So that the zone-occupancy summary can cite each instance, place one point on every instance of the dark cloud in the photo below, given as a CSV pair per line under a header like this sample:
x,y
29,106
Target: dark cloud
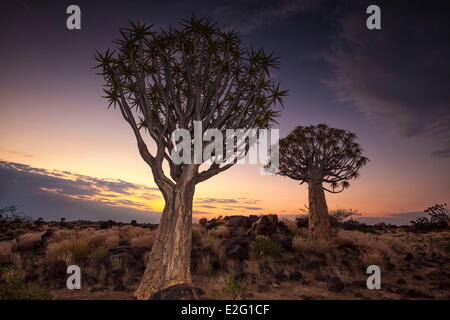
x,y
246,16
42,193
401,73
71,184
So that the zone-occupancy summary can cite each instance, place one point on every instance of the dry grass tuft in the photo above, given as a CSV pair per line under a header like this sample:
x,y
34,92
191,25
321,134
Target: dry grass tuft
x,y
210,241
27,241
6,249
220,232
128,232
291,225
204,266
197,232
145,240
78,248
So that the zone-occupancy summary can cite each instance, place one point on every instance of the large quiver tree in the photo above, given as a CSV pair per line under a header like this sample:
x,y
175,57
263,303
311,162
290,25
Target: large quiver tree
x,y
165,81
326,159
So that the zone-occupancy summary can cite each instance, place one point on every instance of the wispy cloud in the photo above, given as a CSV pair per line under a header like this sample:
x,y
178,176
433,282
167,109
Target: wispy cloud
x,y
218,205
113,192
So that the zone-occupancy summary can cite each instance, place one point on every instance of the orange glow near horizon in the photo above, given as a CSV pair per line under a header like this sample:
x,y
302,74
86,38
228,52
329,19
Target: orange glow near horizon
x,y
238,191
102,146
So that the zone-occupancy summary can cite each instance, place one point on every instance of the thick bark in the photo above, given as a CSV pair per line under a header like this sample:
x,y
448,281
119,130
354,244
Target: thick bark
x,y
319,220
170,258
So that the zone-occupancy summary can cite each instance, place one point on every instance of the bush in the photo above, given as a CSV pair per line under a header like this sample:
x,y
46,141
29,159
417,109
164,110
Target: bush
x,y
13,287
438,220
99,253
10,220
266,247
424,225
78,248
441,244
338,217
235,287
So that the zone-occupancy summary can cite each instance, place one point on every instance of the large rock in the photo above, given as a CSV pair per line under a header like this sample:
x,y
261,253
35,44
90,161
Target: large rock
x,y
125,257
282,228
213,223
238,222
286,243
266,225
57,270
235,249
179,292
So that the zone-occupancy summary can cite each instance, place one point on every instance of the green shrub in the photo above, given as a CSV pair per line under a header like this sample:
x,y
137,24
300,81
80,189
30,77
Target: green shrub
x,y
439,244
266,247
13,287
235,287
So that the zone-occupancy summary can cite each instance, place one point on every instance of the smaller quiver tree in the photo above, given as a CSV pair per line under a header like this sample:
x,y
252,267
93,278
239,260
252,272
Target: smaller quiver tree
x,y
326,159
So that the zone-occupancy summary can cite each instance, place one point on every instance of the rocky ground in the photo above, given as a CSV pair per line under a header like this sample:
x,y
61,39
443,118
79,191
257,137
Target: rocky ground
x,y
236,257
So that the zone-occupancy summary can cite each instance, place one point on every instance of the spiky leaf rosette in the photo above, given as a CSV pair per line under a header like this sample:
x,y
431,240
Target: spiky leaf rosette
x,y
166,80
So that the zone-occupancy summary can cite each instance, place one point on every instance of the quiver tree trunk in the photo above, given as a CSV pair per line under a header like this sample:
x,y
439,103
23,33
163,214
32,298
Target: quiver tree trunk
x,y
319,220
170,258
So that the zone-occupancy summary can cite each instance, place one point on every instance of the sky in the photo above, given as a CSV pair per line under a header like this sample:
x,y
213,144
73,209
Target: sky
x,y
63,154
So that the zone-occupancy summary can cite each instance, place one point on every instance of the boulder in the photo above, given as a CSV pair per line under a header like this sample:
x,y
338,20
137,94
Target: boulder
x,y
238,222
237,251
213,223
286,243
266,225
57,270
126,257
282,228
203,222
179,292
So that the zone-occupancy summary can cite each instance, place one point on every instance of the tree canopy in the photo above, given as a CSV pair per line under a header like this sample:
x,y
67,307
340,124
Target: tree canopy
x,y
166,80
321,154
